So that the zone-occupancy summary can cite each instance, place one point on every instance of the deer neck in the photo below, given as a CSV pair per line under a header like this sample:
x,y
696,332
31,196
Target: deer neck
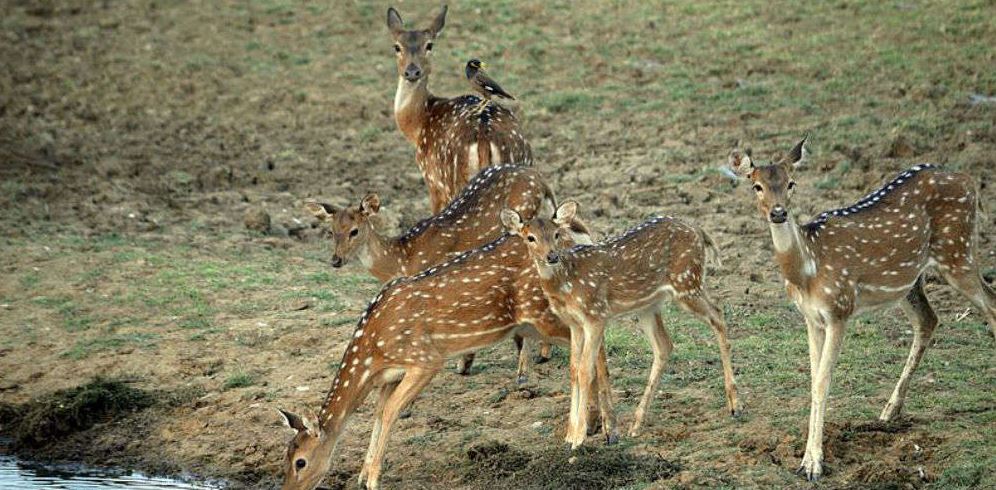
x,y
411,107
382,257
793,255
350,388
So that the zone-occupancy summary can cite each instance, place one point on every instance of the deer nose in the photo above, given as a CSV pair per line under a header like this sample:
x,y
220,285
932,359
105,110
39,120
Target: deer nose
x,y
413,73
336,261
778,215
552,258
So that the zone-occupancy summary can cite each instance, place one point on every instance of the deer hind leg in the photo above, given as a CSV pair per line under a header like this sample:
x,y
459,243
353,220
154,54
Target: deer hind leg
x,y
408,388
522,349
464,364
924,321
656,332
967,280
700,306
385,392
544,352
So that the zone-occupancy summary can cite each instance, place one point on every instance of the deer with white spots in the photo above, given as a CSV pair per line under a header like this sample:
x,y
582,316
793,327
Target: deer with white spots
x,y
469,221
468,303
662,259
871,254
453,138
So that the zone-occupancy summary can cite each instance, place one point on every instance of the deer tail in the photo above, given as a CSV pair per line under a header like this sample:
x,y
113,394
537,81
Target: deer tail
x,y
712,251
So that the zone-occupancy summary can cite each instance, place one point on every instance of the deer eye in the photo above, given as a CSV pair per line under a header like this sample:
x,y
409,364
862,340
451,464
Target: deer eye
x,y
791,184
556,236
300,464
397,48
758,188
428,47
531,238
354,232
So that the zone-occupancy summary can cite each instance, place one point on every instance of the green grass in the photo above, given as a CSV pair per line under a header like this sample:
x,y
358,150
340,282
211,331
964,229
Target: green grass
x,y
86,348
238,379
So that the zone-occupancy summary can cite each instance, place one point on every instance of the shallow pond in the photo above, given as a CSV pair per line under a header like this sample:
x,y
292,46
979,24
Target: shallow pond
x,y
16,474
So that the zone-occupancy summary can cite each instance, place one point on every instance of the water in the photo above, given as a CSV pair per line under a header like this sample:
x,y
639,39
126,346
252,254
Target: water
x,y
16,475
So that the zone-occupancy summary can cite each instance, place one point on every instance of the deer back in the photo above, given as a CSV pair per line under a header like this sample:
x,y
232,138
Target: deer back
x,y
458,139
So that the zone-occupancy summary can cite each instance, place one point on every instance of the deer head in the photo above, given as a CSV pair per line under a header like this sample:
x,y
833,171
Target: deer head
x,y
351,228
772,184
309,453
546,237
413,47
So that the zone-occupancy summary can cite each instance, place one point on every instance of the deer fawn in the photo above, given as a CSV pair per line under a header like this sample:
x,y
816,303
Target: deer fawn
x,y
661,259
469,221
871,254
402,340
453,138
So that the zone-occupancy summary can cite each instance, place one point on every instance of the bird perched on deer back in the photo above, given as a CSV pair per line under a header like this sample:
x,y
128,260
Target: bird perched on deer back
x,y
482,83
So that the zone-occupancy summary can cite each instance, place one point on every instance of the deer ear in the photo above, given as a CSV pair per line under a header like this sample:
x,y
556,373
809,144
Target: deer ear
x,y
438,22
293,420
394,22
740,162
797,156
566,212
511,220
320,210
370,204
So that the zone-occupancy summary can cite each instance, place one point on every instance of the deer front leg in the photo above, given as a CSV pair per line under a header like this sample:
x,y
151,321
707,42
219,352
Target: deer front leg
x,y
416,379
812,462
577,345
385,392
522,349
605,408
593,336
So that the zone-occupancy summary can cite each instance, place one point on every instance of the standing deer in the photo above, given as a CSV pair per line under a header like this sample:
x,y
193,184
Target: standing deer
x,y
871,254
587,285
469,221
402,340
453,138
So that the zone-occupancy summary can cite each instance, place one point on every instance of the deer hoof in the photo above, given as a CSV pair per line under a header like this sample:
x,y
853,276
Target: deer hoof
x,y
611,438
541,359
521,379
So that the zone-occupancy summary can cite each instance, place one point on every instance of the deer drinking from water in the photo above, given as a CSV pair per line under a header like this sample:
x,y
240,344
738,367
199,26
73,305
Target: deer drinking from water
x,y
469,221
662,259
453,138
465,304
871,254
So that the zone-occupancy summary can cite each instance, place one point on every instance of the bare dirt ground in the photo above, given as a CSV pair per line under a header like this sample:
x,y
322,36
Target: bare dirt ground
x,y
135,137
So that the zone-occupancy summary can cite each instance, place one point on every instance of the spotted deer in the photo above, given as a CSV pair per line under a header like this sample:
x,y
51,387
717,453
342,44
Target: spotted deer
x,y
871,254
401,341
454,138
660,260
469,221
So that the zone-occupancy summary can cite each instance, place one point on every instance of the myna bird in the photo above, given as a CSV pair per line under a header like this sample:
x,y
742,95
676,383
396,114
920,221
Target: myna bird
x,y
482,83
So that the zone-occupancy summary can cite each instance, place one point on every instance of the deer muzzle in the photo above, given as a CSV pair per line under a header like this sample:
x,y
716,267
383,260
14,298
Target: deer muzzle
x,y
778,215
337,261
552,258
413,72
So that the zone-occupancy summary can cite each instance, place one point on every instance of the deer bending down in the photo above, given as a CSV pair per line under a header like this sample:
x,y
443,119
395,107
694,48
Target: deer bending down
x,y
871,254
453,138
470,302
469,221
661,259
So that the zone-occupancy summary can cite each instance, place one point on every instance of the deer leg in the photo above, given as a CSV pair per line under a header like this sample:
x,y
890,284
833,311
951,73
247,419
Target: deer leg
x,y
408,388
544,352
577,346
604,390
972,286
701,307
655,331
924,320
385,392
522,372
593,336
812,462
464,364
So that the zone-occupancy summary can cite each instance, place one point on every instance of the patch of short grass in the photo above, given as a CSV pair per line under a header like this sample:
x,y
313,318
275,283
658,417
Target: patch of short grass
x,y
239,379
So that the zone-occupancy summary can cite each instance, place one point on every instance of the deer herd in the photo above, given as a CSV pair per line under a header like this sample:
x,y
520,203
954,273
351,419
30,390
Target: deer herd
x,y
500,258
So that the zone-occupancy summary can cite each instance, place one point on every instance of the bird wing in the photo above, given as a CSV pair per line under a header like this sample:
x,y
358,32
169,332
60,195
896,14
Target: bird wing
x,y
491,86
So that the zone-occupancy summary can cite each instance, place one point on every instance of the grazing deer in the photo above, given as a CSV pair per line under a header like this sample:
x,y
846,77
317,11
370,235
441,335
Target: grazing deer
x,y
873,253
453,138
402,340
469,221
661,259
